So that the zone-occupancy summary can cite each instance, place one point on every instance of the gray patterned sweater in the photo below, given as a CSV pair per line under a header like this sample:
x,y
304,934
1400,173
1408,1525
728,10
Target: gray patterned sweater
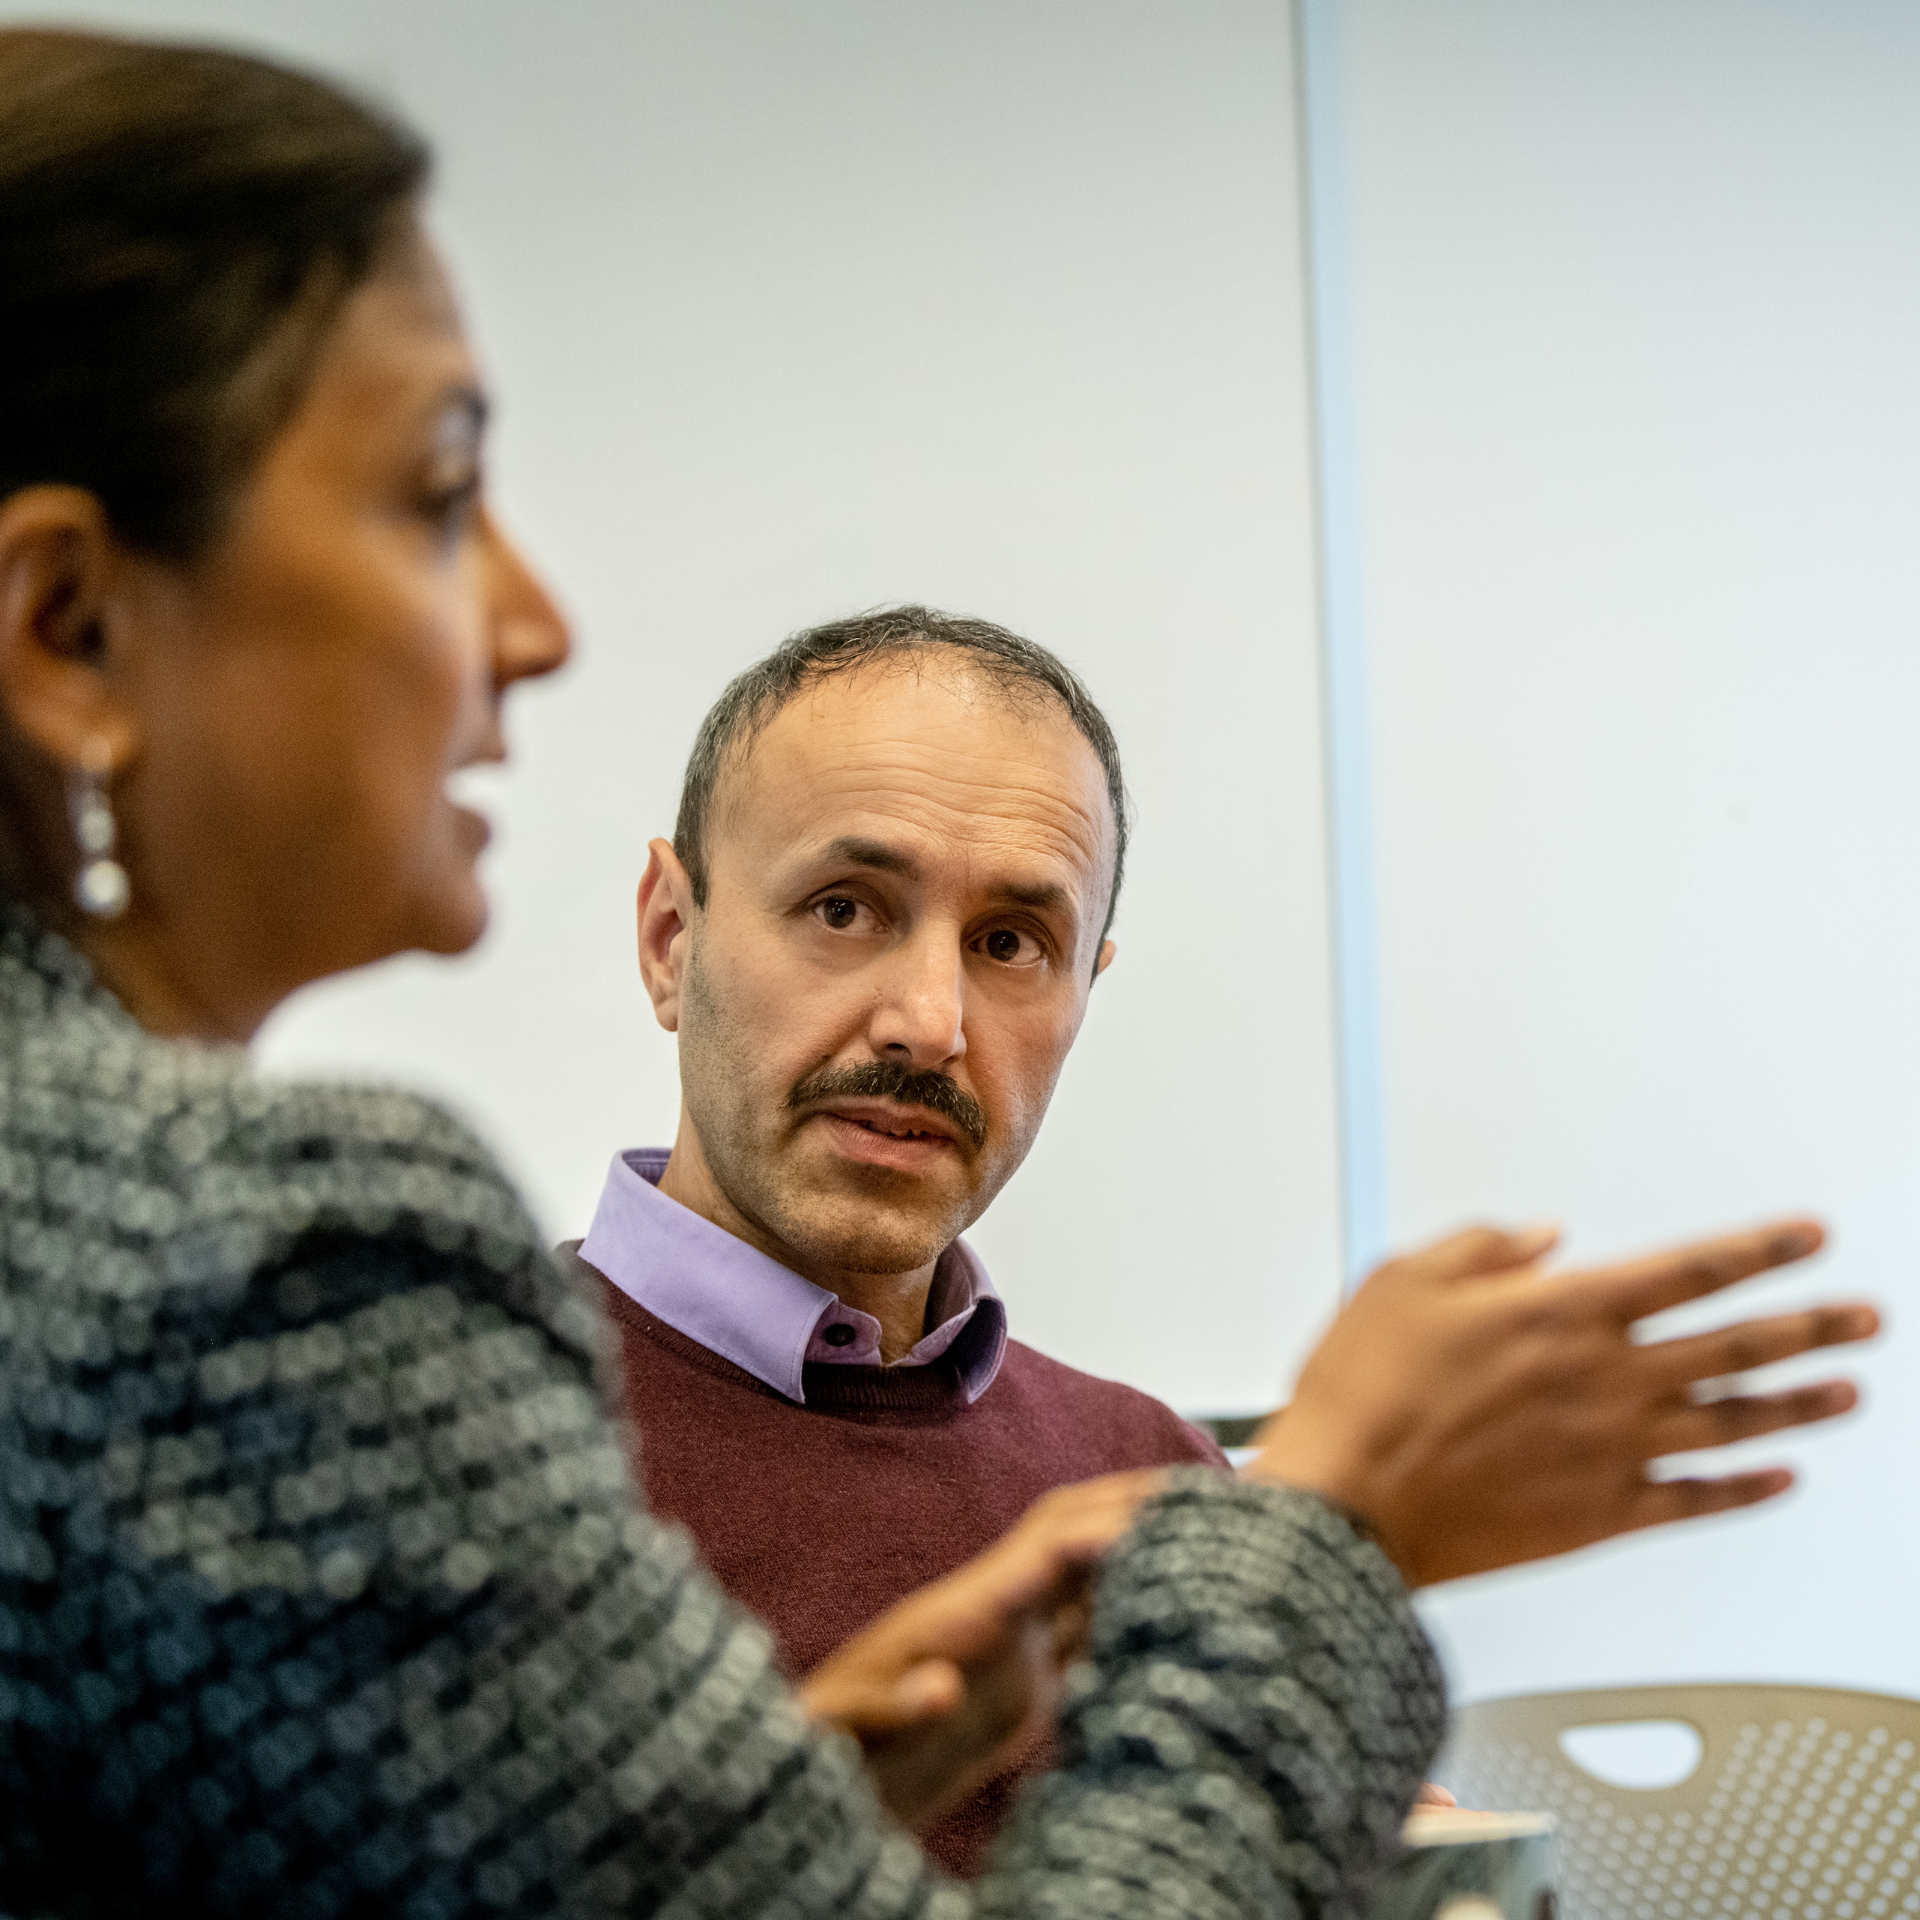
x,y
325,1591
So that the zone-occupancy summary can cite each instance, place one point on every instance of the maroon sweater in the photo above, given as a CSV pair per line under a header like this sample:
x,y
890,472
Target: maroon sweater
x,y
820,1517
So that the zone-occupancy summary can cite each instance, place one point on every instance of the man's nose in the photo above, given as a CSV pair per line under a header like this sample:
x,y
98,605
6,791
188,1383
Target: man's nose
x,y
921,1012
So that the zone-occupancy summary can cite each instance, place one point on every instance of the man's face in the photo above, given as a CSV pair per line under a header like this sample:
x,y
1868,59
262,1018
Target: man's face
x,y
908,876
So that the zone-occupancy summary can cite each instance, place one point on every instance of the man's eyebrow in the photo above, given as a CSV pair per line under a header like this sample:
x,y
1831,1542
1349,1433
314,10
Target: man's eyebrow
x,y
1044,897
850,851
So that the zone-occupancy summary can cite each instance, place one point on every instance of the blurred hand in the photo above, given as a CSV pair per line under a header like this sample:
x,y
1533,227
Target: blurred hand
x,y
1476,1412
944,1689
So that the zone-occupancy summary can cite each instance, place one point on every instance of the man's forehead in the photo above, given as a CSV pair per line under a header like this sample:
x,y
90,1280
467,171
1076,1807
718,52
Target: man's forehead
x,y
930,685
937,750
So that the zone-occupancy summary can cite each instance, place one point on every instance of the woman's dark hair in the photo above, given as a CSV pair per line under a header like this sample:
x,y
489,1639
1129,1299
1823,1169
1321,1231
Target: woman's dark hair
x,y
178,228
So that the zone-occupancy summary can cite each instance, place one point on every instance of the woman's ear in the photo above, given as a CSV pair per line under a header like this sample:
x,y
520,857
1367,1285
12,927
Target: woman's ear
x,y
56,559
666,911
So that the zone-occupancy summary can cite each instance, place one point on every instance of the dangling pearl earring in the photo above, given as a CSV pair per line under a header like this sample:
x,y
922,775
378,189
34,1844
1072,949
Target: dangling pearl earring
x,y
101,887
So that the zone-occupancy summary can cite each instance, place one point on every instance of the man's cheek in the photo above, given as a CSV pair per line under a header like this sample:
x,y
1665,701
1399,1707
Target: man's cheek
x,y
1021,1111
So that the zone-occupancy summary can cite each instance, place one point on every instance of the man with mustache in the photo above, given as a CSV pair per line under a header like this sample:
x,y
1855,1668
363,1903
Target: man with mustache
x,y
874,934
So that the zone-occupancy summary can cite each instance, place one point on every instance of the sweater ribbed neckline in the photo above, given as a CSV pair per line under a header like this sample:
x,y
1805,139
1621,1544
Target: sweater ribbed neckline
x,y
885,1389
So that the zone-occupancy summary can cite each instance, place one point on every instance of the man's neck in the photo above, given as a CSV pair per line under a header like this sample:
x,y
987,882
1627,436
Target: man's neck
x,y
897,1300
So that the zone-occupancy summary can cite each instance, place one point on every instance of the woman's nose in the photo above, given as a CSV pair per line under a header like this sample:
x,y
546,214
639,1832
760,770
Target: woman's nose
x,y
530,634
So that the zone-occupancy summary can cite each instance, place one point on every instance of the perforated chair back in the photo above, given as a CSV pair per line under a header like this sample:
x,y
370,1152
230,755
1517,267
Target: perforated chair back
x,y
1805,1804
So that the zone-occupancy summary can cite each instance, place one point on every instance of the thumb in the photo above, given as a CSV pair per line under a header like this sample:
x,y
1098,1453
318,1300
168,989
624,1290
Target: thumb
x,y
928,1690
1478,1250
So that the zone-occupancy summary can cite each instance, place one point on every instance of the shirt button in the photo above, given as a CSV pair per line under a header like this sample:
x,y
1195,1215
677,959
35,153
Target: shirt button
x,y
839,1335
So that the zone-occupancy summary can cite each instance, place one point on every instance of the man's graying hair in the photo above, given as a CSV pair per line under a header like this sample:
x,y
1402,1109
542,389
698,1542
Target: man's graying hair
x,y
1019,669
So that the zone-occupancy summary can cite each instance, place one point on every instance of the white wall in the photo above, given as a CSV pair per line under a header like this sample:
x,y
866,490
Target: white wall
x,y
1634,293
795,308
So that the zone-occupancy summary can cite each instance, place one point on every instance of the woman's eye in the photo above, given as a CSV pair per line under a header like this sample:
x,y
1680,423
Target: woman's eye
x,y
839,914
451,509
1011,947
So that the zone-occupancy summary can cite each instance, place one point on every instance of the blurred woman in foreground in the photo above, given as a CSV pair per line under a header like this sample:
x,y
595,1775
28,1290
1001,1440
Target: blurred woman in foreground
x,y
323,1587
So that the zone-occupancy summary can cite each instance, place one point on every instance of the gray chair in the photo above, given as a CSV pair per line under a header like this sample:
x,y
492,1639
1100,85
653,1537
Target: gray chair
x,y
1805,1804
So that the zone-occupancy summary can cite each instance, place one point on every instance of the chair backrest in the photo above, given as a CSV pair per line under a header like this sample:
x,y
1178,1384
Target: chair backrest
x,y
1805,1804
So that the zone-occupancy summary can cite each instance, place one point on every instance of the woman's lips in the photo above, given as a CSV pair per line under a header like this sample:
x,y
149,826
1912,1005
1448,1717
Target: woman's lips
x,y
867,1142
473,824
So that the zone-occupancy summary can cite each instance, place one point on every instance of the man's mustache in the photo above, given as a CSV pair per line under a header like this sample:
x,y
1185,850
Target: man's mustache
x,y
889,1080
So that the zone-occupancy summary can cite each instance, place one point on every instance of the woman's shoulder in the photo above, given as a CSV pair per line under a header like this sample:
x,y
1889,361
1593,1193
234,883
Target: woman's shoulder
x,y
354,1153
265,1168
200,1123
149,1169
304,1197
176,1166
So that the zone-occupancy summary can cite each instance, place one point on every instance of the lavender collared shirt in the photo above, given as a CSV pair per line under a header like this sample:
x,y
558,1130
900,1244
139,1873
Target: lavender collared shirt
x,y
762,1316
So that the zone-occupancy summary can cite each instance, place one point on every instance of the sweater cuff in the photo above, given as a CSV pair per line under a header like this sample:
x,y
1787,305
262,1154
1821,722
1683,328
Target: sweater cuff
x,y
1328,1692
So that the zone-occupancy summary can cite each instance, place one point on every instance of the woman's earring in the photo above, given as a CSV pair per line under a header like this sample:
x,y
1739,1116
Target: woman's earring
x,y
101,887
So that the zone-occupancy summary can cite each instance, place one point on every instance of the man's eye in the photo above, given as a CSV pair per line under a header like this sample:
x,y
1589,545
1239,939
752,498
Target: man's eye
x,y
839,914
1010,947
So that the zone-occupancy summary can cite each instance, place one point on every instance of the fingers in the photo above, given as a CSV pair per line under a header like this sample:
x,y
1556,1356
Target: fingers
x,y
1476,1251
1719,1423
1433,1794
1066,1531
1043,1563
1759,1343
1114,1500
871,1705
1091,1508
1664,1501
929,1691
1072,1629
1637,1288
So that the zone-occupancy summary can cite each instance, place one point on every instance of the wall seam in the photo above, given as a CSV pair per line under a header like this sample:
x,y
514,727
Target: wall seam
x,y
1351,858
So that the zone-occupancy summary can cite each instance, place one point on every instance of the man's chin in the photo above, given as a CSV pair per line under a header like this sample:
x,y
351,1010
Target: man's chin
x,y
861,1235
843,1214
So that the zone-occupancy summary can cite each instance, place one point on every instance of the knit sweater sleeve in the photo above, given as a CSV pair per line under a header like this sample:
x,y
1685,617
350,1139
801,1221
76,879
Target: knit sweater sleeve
x,y
1257,1711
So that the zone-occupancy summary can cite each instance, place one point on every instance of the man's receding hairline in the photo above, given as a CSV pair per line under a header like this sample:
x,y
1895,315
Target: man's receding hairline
x,y
1014,690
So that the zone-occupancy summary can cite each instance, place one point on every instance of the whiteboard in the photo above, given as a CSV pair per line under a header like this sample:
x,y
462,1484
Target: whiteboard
x,y
795,309
1634,306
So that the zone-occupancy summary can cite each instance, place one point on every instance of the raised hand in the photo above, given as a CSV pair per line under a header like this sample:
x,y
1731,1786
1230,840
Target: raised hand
x,y
1475,1411
946,1687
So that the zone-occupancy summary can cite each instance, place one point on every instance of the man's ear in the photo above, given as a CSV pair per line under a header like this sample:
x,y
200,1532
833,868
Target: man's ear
x,y
56,565
665,911
1107,951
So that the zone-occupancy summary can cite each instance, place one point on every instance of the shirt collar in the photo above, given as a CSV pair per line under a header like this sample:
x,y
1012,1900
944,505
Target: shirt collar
x,y
748,1308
